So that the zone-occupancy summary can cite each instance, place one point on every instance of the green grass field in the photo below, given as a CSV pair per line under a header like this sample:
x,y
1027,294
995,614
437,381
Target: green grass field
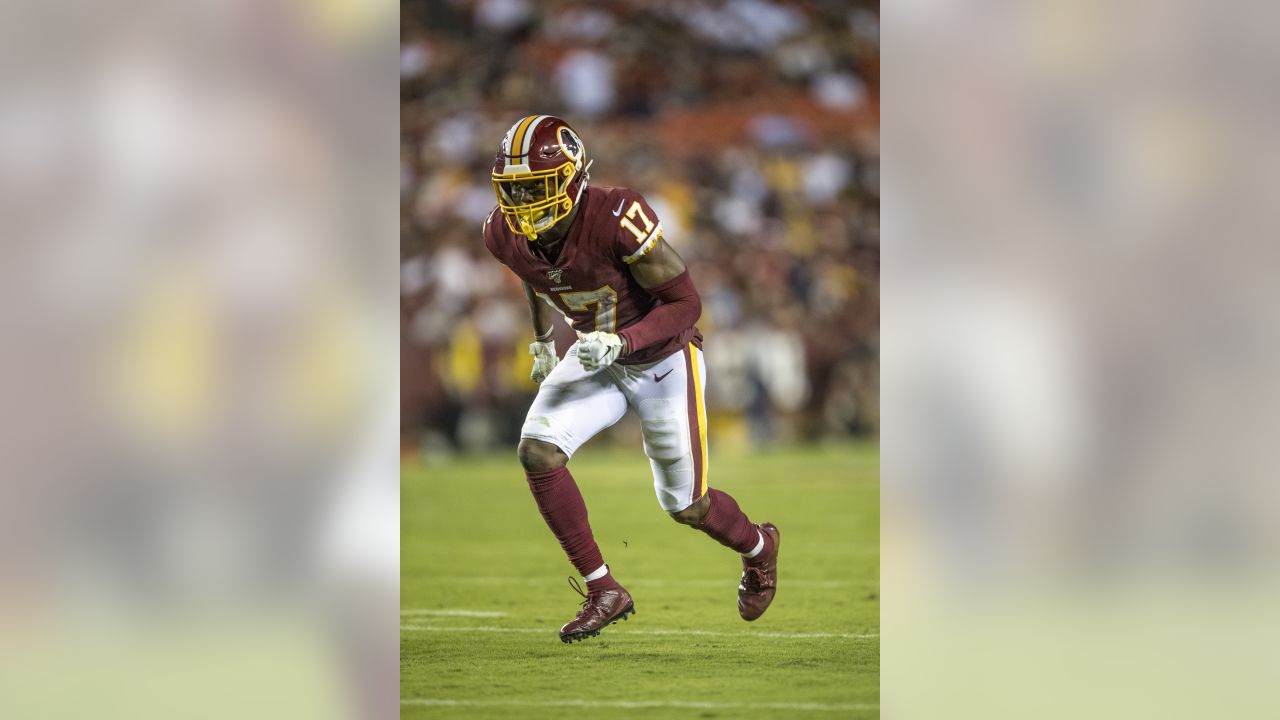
x,y
484,592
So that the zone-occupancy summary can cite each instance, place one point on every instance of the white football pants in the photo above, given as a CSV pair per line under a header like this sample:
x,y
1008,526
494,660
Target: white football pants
x,y
573,405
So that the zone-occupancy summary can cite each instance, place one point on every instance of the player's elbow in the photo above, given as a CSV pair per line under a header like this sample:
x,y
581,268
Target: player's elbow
x,y
695,307
686,294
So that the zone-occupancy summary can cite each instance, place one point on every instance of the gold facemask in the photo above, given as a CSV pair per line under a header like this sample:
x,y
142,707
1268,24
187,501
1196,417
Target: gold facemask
x,y
550,205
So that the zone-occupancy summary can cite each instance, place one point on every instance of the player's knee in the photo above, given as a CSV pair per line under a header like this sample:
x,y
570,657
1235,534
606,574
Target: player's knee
x,y
693,514
539,456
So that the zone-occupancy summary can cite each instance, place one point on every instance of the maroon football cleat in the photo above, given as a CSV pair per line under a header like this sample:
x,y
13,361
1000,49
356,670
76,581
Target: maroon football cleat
x,y
600,608
760,576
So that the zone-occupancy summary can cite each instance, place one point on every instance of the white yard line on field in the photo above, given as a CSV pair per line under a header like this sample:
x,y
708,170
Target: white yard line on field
x,y
655,582
454,613
649,631
630,704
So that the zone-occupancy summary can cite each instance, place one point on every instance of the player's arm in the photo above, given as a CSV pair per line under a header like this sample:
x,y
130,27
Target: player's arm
x,y
543,348
660,265
661,271
540,314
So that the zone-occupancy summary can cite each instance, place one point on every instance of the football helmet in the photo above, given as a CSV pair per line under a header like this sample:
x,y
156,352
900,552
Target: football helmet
x,y
539,174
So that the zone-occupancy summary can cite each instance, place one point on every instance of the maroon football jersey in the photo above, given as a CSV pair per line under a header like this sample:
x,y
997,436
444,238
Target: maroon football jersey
x,y
590,282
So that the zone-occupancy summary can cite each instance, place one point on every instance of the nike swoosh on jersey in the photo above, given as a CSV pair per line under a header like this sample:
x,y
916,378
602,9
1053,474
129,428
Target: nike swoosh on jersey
x,y
658,378
618,212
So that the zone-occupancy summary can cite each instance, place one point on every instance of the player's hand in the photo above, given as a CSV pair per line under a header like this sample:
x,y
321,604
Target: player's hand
x,y
598,350
544,360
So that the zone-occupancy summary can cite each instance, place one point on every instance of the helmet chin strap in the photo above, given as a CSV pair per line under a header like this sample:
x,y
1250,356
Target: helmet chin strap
x,y
586,177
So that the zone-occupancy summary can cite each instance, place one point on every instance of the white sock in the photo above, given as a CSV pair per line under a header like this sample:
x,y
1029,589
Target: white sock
x,y
759,545
597,573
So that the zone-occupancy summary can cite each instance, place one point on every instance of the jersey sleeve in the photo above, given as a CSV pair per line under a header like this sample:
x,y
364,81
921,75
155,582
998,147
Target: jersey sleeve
x,y
491,231
637,228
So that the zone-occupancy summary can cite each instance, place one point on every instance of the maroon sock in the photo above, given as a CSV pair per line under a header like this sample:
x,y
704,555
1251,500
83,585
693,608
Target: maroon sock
x,y
562,507
727,523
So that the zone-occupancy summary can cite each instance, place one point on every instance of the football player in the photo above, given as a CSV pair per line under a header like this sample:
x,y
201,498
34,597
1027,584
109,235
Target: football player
x,y
597,255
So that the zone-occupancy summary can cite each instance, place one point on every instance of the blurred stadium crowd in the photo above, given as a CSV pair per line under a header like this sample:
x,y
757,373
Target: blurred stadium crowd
x,y
753,129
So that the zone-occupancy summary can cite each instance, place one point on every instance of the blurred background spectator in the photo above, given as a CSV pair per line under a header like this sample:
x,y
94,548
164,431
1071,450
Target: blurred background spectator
x,y
751,126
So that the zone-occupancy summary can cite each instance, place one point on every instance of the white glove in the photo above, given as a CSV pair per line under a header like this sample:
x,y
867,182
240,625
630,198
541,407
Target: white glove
x,y
598,350
544,360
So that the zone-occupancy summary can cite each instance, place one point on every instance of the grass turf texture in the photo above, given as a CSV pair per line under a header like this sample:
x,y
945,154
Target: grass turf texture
x,y
484,593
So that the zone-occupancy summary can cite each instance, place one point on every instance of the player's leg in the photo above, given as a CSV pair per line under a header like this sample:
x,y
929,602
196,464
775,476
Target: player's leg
x,y
669,399
571,407
561,504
